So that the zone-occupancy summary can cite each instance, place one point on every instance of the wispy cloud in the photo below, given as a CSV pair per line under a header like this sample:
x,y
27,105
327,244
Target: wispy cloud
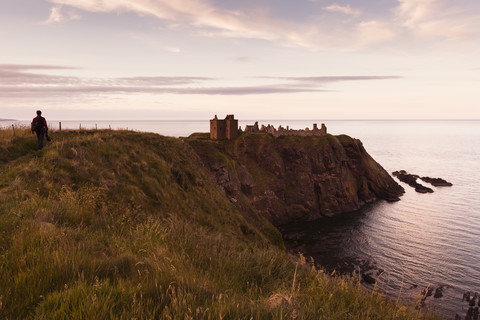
x,y
329,79
348,10
16,81
161,81
373,32
213,21
23,67
68,91
427,18
17,75
438,18
57,15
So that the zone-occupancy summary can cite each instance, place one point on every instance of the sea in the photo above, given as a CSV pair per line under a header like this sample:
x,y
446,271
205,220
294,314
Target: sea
x,y
422,241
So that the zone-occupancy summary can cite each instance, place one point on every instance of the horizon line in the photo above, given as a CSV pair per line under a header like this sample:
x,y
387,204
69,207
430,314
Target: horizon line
x,y
333,119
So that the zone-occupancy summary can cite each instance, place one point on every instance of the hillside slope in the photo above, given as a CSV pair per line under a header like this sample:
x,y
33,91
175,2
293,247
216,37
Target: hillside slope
x,y
122,225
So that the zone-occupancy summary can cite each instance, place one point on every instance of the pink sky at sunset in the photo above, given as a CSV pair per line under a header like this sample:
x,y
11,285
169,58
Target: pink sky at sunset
x,y
263,59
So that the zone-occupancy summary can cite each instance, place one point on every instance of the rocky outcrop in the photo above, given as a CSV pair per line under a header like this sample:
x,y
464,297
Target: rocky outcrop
x,y
437,182
411,180
293,178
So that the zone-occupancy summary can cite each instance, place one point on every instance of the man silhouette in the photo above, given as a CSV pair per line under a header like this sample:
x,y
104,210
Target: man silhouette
x,y
39,126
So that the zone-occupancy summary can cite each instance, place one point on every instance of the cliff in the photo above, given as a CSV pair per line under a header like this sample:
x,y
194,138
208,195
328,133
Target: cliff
x,y
122,225
296,178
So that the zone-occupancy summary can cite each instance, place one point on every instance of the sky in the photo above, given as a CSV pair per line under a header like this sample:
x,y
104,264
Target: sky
x,y
257,59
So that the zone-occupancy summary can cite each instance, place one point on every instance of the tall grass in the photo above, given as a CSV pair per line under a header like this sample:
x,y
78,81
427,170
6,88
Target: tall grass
x,y
122,225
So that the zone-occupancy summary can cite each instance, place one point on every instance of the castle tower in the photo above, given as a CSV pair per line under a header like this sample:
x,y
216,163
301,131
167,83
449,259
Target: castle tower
x,y
231,127
224,129
217,128
323,129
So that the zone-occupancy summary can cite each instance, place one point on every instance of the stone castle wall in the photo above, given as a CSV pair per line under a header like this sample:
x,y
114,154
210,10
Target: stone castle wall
x,y
229,129
281,131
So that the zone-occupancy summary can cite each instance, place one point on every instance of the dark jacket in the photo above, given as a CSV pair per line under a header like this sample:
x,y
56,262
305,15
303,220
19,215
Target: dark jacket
x,y
42,127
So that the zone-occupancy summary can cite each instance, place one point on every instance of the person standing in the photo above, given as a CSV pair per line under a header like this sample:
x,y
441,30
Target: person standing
x,y
39,126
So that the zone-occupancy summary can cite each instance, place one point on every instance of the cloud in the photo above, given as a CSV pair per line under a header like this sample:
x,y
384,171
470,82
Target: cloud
x,y
430,19
22,67
161,81
206,19
438,18
16,82
68,91
342,9
373,32
15,75
329,79
56,15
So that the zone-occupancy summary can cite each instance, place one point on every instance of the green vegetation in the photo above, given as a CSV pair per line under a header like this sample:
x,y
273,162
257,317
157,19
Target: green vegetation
x,y
124,225
224,159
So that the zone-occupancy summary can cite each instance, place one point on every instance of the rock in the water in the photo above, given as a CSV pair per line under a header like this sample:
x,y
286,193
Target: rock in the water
x,y
466,296
368,278
438,292
475,313
411,180
427,292
437,182
472,302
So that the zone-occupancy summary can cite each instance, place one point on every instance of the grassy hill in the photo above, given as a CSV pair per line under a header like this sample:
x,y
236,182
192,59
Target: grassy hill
x,y
124,225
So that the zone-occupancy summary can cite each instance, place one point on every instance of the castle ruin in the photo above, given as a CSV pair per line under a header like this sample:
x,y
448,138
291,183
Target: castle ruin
x,y
228,129
224,129
281,131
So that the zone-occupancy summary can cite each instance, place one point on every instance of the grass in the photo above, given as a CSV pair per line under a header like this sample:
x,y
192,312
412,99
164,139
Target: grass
x,y
123,225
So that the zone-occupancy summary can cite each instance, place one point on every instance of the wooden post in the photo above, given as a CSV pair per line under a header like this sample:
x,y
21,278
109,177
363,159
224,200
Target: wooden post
x,y
109,127
80,127
96,127
60,126
13,128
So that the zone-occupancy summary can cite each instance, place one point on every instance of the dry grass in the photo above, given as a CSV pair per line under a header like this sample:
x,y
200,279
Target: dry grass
x,y
122,225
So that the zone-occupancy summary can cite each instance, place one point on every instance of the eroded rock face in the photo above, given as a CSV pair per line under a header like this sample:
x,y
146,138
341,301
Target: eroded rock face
x,y
294,178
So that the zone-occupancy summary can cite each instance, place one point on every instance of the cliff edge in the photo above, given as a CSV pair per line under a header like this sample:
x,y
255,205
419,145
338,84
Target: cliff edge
x,y
293,178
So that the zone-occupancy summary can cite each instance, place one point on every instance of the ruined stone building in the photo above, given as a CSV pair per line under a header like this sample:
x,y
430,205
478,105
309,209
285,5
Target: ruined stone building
x,y
224,129
281,131
228,129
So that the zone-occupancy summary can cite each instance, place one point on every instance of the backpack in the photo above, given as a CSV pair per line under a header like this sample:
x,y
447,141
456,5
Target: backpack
x,y
37,125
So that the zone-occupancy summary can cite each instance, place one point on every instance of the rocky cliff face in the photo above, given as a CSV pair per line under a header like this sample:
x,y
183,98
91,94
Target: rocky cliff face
x,y
296,178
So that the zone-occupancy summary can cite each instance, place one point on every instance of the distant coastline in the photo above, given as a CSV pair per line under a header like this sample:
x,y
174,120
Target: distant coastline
x,y
8,120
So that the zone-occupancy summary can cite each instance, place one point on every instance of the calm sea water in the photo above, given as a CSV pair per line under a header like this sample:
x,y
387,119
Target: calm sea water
x,y
424,239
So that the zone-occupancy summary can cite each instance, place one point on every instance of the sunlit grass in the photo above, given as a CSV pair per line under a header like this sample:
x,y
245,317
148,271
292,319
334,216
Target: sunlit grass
x,y
122,225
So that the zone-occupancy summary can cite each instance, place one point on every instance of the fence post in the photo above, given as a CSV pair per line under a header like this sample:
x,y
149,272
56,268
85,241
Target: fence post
x,y
80,127
60,126
96,127
13,128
